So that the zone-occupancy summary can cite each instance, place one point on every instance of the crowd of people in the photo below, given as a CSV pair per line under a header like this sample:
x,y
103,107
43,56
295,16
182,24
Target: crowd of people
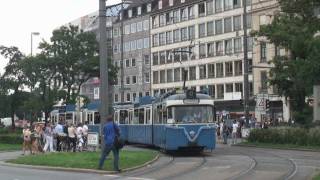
x,y
46,137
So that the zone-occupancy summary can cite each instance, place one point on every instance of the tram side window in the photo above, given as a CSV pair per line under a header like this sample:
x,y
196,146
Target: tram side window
x,y
123,117
164,115
148,116
116,117
141,116
135,117
96,118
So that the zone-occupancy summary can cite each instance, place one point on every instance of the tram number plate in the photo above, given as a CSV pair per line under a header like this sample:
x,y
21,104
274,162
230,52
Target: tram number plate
x,y
93,139
191,101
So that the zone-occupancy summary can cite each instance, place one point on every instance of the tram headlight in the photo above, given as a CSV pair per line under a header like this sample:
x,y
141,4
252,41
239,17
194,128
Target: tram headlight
x,y
192,133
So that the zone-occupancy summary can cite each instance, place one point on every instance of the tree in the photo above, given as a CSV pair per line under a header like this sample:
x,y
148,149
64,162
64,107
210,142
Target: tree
x,y
13,80
294,75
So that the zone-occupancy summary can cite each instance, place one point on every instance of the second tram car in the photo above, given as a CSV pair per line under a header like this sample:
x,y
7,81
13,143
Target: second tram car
x,y
173,121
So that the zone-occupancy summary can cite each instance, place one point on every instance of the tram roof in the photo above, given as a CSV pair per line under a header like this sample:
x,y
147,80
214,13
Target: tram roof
x,y
183,96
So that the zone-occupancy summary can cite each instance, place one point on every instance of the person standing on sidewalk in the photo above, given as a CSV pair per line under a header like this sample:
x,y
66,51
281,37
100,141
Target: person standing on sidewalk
x,y
48,134
110,131
234,132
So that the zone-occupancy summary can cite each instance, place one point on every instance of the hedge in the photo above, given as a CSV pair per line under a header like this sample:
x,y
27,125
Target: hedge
x,y
11,139
286,135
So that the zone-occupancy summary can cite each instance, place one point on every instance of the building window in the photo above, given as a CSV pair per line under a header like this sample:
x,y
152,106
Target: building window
x,y
210,7
229,87
238,68
249,65
184,34
162,57
176,55
263,52
169,37
127,63
219,6
169,56
177,75
250,43
155,22
169,17
192,73
169,76
134,79
130,13
162,39
219,67
146,59
149,7
237,23
228,4
162,76
128,97
147,77
127,80
155,77
176,35
139,43
145,25
146,42
115,32
238,87
184,54
191,32
133,45
249,21
127,29
202,51
176,16
191,12
211,71
170,2
155,58
229,68
264,81
160,4
219,48
237,45
218,24
134,95
202,9
184,14
227,25
116,98
228,46
192,55
162,20
236,3
203,71
155,40
139,10
210,49
147,93
212,91
133,28
220,91
133,62
210,28
202,30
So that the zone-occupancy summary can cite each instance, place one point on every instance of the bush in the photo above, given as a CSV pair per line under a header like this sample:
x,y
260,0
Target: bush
x,y
11,138
286,135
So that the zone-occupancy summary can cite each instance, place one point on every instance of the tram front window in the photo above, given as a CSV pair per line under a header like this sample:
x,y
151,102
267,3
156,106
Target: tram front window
x,y
193,114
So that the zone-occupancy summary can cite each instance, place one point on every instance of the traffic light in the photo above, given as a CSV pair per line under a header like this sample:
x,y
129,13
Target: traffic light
x,y
267,104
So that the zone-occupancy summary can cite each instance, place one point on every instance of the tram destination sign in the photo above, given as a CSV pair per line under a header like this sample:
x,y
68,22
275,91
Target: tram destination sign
x,y
191,101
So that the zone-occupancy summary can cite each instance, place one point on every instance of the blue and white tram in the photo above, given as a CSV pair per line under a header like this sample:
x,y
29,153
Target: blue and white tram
x,y
172,122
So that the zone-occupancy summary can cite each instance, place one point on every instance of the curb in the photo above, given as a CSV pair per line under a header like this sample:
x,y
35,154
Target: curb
x,y
294,149
81,170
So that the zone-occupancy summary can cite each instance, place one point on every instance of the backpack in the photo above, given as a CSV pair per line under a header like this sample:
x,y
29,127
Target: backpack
x,y
118,142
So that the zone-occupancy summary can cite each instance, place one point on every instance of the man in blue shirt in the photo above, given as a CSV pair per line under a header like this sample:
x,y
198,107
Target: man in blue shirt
x,y
110,130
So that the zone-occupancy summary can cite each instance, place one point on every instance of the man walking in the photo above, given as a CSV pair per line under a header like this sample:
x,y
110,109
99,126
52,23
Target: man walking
x,y
110,131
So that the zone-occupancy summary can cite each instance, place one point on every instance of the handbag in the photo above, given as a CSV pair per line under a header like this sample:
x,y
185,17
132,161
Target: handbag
x,y
118,142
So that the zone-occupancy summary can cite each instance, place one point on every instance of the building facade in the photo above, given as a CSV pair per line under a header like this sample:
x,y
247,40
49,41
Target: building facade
x,y
206,39
131,32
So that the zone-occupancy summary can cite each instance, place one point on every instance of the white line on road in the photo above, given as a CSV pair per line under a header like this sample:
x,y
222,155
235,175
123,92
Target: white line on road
x,y
124,177
112,176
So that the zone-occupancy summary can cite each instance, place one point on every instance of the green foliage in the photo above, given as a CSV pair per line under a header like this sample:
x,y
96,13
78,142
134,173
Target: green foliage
x,y
88,160
11,138
294,75
286,135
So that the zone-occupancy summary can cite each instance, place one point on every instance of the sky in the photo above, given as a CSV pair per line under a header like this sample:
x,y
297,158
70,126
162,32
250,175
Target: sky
x,y
19,18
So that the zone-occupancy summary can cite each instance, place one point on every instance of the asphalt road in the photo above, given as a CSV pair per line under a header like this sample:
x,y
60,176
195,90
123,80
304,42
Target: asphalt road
x,y
226,162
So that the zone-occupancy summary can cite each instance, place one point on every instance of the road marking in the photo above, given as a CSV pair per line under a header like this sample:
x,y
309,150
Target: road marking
x,y
295,169
124,177
112,176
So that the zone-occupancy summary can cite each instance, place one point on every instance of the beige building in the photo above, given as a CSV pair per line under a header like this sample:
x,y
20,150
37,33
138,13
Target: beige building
x,y
263,12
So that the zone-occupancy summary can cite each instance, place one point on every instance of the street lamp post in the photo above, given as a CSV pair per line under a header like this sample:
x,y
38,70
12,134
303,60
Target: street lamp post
x,y
35,34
